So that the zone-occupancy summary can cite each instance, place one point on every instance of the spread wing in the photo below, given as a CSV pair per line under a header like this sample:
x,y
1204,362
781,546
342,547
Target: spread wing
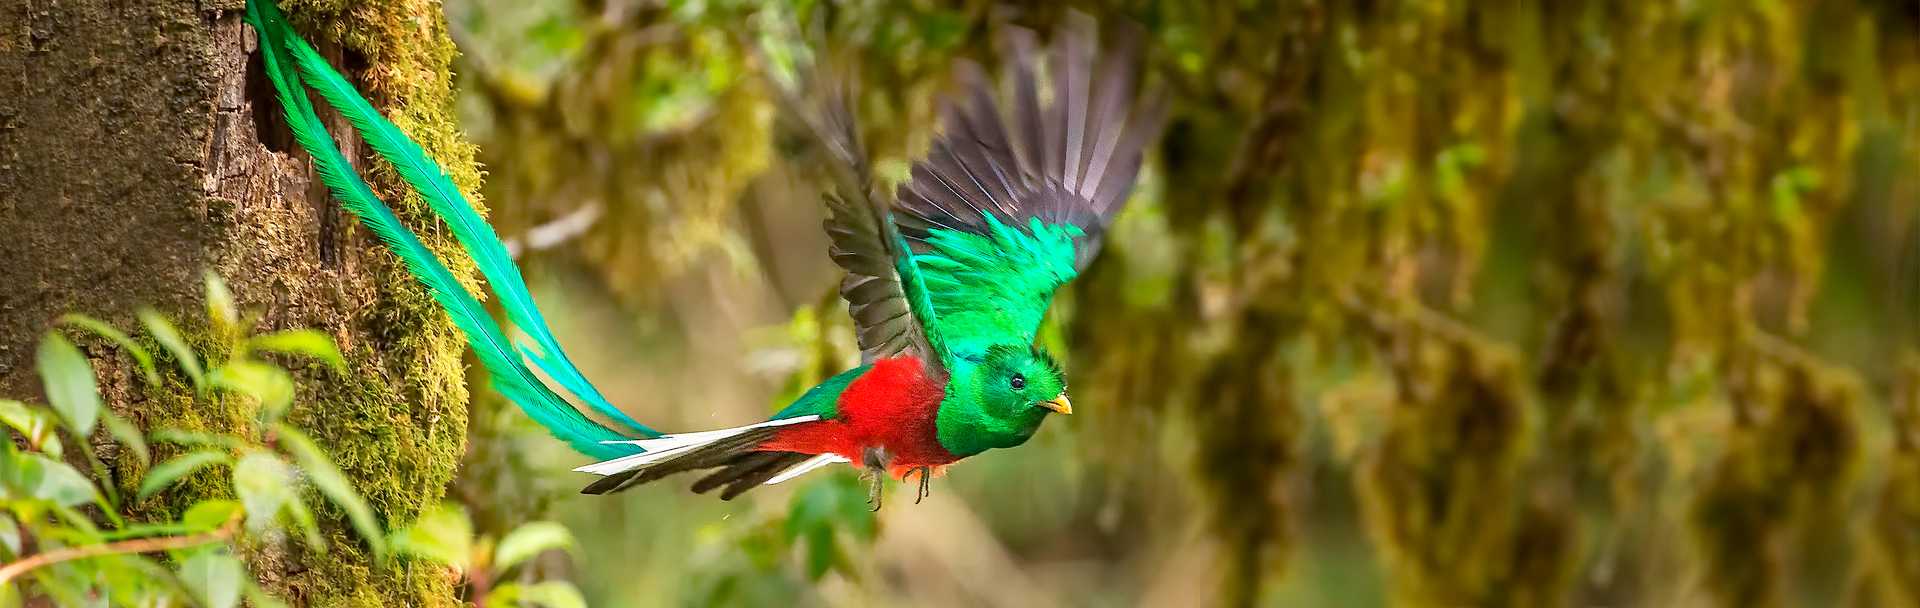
x,y
1001,217
883,288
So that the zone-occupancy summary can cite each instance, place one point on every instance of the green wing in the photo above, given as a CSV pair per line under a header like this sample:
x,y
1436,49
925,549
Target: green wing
x,y
999,220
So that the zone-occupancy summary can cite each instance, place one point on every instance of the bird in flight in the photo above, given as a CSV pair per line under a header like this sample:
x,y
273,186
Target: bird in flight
x,y
947,281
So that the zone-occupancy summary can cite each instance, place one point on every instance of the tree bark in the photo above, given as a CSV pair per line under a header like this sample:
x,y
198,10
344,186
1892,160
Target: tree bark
x,y
140,146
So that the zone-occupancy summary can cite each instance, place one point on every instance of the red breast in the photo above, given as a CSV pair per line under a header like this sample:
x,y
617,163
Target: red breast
x,y
891,407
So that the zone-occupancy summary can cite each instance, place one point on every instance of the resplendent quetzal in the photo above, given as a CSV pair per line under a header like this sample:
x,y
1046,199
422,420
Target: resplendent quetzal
x,y
947,284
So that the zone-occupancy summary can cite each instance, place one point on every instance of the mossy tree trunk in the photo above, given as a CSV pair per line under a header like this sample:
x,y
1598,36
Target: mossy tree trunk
x,y
140,146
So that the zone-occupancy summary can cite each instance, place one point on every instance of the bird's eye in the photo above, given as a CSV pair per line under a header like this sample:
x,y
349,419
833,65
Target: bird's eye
x,y
1017,382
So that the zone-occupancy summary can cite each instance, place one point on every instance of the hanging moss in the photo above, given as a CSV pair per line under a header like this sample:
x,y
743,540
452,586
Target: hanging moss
x,y
1892,534
1445,489
1788,466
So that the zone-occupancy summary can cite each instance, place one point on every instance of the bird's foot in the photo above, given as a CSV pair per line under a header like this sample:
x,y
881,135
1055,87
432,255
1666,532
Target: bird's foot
x,y
875,479
876,460
926,483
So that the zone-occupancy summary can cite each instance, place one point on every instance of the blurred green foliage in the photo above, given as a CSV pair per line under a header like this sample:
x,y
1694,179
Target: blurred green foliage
x,y
445,535
1419,302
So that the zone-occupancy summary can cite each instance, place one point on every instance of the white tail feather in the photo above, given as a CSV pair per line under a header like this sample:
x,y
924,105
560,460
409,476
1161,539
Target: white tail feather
x,y
808,465
667,447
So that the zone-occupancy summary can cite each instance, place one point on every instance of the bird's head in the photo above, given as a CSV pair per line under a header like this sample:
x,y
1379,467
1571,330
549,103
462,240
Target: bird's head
x,y
1021,380
999,399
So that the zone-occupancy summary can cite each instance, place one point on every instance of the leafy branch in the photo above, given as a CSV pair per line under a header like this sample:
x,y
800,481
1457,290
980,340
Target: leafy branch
x,y
138,545
68,557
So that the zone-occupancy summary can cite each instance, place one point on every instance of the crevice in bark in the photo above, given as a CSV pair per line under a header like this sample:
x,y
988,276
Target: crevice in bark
x,y
269,125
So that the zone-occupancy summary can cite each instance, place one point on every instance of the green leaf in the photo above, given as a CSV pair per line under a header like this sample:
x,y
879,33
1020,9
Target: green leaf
x,y
307,342
138,580
810,523
819,511
504,594
303,521
550,594
185,437
215,577
36,476
265,484
127,434
35,425
66,591
169,338
220,309
443,535
855,515
102,329
529,540
79,527
263,381
69,381
165,473
334,485
210,514
146,530
834,500
9,534
821,551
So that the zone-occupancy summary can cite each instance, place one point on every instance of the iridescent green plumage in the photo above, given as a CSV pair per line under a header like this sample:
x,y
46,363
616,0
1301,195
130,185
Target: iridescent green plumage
x,y
998,285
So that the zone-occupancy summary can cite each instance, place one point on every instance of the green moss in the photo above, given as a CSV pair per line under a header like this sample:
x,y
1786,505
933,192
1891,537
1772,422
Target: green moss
x,y
400,447
1776,497
1892,577
1445,491
1894,537
174,405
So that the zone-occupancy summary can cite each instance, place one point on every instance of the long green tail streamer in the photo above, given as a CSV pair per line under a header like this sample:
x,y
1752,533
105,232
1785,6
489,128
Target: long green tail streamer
x,y
284,52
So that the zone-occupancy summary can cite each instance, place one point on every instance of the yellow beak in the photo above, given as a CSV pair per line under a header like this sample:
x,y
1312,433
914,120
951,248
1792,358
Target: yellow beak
x,y
1059,404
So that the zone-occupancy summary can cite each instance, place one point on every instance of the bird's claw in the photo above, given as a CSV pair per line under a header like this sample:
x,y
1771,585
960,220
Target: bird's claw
x,y
876,481
876,460
926,484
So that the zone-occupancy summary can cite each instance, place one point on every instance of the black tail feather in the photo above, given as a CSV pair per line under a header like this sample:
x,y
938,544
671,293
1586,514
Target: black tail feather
x,y
747,471
753,479
733,469
716,454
